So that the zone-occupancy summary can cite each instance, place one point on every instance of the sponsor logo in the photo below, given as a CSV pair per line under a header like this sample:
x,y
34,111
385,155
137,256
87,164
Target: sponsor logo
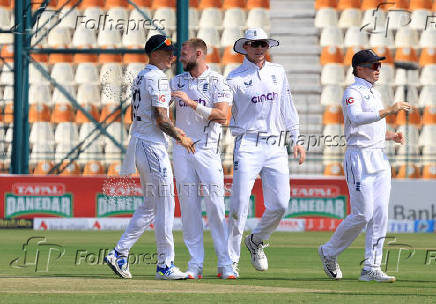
x,y
357,186
322,224
162,98
264,97
223,95
313,200
33,198
117,205
349,100
248,83
235,165
401,226
201,101
424,226
16,223
251,206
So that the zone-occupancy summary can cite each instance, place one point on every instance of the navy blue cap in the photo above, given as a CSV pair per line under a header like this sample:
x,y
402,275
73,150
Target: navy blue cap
x,y
158,42
365,56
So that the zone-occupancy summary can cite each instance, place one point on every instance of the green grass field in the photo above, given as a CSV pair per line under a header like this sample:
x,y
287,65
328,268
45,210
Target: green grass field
x,y
294,276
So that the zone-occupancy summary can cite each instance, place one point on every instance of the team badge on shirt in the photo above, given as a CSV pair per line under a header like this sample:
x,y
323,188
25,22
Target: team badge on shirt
x,y
349,100
205,87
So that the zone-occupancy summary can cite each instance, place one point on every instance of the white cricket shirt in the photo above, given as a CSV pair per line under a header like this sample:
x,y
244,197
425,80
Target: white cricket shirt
x,y
362,124
209,88
262,101
149,89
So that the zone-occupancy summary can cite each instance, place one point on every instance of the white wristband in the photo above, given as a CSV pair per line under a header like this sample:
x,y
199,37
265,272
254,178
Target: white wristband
x,y
203,111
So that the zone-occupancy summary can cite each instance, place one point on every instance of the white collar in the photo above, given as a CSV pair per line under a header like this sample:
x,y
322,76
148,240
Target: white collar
x,y
202,75
363,82
152,67
247,63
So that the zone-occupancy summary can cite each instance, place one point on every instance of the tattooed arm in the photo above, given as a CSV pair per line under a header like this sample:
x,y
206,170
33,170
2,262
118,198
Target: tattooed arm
x,y
168,127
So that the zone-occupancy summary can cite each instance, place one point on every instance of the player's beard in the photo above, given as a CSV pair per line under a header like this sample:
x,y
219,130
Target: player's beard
x,y
190,66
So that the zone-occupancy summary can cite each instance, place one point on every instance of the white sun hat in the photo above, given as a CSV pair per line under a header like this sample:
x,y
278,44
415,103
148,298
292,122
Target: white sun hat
x,y
250,35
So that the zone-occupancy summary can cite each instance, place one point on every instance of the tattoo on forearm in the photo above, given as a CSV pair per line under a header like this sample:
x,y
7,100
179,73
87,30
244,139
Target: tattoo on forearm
x,y
165,123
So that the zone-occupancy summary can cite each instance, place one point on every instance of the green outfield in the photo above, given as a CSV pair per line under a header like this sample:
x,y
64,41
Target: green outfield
x,y
36,274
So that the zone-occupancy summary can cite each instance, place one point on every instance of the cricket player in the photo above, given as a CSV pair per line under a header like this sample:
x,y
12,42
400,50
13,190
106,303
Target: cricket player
x,y
202,100
367,170
147,149
264,120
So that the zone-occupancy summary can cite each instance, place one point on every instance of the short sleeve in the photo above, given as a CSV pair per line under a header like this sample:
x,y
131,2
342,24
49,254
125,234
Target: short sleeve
x,y
159,90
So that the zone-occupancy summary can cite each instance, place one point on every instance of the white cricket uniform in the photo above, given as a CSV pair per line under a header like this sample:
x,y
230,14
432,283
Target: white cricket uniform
x,y
263,119
148,150
367,172
203,169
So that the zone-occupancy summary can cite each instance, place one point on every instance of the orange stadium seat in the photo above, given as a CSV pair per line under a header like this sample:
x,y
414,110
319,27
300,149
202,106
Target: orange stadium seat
x,y
39,112
9,113
194,3
258,3
109,114
65,3
371,4
212,55
333,115
232,4
107,58
93,167
434,6
350,53
141,3
130,58
82,58
62,113
428,56
115,3
69,168
334,169
128,116
429,116
429,171
325,3
5,3
420,4
397,5
230,56
411,171
43,167
7,53
209,3
331,54
91,3
114,169
163,3
414,118
345,4
406,55
56,58
37,3
92,109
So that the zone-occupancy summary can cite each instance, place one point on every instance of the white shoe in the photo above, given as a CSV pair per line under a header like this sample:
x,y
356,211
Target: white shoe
x,y
258,257
118,264
376,275
235,269
229,272
170,273
331,267
195,272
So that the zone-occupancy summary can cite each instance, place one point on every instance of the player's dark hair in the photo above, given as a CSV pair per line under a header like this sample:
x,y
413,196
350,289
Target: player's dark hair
x,y
355,71
196,43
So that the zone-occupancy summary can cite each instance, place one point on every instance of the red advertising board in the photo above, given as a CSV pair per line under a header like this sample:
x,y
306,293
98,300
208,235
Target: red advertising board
x,y
26,196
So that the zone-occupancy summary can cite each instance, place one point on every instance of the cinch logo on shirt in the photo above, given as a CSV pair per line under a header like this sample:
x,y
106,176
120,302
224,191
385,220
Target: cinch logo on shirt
x,y
202,101
264,97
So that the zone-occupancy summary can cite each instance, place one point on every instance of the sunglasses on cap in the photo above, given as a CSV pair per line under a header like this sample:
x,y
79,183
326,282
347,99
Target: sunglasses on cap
x,y
257,43
373,66
167,42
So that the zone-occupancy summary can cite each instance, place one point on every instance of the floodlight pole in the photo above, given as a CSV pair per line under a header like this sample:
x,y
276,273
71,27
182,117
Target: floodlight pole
x,y
182,29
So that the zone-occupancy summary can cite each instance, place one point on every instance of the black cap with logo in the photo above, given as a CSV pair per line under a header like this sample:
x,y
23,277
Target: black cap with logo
x,y
158,42
365,56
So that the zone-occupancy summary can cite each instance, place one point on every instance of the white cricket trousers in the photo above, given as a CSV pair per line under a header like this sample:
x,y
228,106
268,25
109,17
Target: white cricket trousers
x,y
368,177
251,158
200,176
157,183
